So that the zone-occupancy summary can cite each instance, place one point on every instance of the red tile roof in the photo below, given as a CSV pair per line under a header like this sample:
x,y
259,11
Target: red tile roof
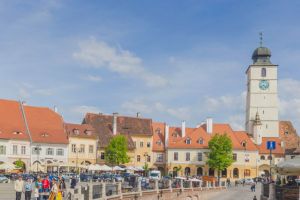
x,y
242,136
11,121
45,125
158,136
80,130
263,147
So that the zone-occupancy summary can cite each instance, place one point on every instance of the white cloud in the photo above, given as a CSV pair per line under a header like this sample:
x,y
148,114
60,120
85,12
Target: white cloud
x,y
85,109
44,92
92,78
100,55
23,93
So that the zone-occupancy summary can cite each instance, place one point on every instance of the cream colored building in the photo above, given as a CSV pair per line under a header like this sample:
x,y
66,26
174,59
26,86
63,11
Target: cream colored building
x,y
82,149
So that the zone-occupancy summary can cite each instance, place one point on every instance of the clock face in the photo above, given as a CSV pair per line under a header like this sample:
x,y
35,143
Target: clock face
x,y
264,84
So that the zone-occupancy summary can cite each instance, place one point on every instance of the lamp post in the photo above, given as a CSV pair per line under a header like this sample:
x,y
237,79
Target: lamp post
x,y
146,157
77,151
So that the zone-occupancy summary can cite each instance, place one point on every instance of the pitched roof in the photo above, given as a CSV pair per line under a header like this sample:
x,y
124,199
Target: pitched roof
x,y
45,125
80,131
158,136
127,126
289,136
263,147
12,125
242,136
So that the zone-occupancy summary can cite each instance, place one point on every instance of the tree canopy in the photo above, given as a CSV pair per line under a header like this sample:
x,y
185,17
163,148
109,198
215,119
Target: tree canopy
x,y
116,151
220,155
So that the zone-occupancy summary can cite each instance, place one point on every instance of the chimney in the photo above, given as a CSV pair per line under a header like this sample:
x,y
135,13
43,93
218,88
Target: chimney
x,y
115,115
166,135
183,128
138,114
209,125
55,109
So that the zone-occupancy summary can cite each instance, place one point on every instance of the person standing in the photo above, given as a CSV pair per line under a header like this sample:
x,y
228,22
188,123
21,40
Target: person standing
x,y
73,182
46,187
19,186
54,190
28,189
38,189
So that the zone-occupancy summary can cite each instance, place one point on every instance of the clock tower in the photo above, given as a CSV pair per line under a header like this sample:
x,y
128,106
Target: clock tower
x,y
262,96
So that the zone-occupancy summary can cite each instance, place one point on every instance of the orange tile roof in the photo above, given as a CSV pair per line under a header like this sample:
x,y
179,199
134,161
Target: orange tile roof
x,y
45,125
11,121
263,147
242,136
158,136
84,130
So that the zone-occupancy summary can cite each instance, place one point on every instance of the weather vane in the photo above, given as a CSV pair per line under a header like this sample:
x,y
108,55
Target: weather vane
x,y
261,38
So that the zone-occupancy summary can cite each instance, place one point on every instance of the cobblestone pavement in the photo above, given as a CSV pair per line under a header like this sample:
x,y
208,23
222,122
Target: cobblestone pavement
x,y
237,193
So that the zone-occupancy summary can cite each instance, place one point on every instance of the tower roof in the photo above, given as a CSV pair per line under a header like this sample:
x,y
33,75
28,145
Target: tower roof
x,y
261,56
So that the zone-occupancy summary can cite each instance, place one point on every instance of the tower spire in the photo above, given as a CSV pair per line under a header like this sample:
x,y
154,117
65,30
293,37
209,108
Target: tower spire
x,y
260,38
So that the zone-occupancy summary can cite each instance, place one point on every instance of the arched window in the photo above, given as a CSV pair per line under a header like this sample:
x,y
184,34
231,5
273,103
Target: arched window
x,y
211,172
158,131
187,171
200,141
235,172
244,144
262,157
263,72
224,173
188,141
199,171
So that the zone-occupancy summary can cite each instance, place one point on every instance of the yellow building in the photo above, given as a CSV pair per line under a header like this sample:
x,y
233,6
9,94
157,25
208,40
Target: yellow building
x,y
83,141
137,130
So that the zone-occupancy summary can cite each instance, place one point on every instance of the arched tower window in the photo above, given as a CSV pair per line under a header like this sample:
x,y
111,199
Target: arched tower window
x,y
263,72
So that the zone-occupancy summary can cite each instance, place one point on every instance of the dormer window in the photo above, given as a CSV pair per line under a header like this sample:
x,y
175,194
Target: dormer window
x,y
88,132
200,141
244,144
44,134
188,141
175,134
158,131
158,142
76,131
17,133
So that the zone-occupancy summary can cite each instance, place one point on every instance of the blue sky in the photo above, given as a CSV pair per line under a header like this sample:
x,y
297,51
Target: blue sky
x,y
170,60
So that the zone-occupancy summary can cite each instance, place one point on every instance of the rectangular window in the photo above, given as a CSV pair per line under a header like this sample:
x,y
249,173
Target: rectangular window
x,y
138,158
148,144
148,158
102,156
23,150
234,157
49,151
175,156
187,156
2,150
91,148
82,148
59,152
141,144
73,148
160,157
247,172
15,149
199,156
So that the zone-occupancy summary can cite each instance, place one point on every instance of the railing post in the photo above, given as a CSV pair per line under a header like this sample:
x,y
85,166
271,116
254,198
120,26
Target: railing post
x,y
271,191
191,185
140,187
90,186
207,184
170,185
120,190
181,184
156,186
103,190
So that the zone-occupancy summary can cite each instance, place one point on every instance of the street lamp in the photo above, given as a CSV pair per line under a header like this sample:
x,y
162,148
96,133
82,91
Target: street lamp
x,y
146,157
77,150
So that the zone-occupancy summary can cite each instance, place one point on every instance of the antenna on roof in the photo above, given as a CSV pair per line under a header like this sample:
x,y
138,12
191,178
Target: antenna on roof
x,y
260,38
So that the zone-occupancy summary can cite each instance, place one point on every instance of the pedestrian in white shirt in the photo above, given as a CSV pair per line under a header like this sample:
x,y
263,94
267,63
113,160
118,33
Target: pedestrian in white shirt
x,y
19,186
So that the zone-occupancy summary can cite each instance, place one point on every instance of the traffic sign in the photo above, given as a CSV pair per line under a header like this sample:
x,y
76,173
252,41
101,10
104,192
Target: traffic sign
x,y
271,145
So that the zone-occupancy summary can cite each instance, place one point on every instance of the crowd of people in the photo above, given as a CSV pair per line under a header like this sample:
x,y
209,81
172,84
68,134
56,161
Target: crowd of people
x,y
41,188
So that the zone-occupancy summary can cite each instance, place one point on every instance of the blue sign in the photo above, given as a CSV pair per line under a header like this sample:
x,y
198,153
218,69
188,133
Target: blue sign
x,y
271,145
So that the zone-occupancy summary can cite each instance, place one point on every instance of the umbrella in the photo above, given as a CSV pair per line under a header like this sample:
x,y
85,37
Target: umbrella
x,y
37,167
105,168
117,168
8,166
195,180
289,167
94,167
139,169
130,168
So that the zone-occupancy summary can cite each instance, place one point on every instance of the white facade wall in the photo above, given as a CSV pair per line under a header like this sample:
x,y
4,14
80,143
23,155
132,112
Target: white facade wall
x,y
43,157
3,155
182,156
19,154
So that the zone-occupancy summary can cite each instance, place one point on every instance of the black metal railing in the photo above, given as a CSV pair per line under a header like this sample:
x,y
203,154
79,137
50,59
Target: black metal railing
x,y
265,189
287,192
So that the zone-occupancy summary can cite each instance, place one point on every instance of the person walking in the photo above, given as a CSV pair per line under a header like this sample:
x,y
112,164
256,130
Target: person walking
x,y
28,189
38,189
253,187
19,186
54,190
73,182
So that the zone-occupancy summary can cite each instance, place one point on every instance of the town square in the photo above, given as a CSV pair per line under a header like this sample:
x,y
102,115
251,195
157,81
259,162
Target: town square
x,y
109,100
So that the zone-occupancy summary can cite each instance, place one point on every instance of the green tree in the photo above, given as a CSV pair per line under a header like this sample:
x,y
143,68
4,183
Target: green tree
x,y
116,151
220,155
19,164
177,169
146,169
